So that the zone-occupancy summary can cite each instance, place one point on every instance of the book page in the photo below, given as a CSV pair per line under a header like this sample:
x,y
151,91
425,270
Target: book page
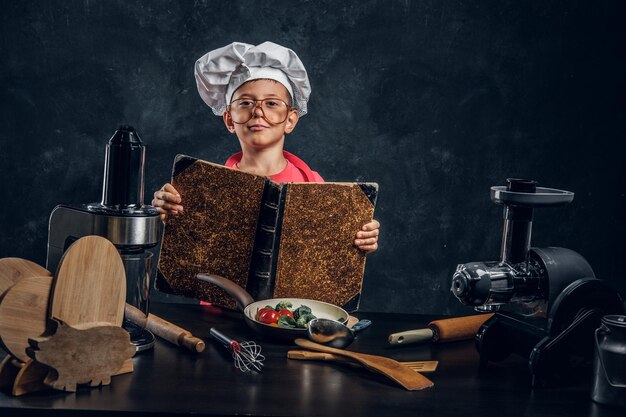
x,y
317,257
214,234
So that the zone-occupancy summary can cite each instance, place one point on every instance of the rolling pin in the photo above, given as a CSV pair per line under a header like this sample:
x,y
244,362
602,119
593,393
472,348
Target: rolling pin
x,y
164,329
439,331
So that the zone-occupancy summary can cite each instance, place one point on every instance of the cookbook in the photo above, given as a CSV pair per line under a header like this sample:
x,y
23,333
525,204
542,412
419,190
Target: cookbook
x,y
273,239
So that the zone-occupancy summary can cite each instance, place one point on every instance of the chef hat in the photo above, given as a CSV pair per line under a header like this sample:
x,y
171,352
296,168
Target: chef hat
x,y
220,72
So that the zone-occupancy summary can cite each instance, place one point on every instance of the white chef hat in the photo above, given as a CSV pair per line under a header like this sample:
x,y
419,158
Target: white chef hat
x,y
220,72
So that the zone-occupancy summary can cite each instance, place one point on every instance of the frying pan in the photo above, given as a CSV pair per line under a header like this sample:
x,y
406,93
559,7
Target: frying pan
x,y
249,307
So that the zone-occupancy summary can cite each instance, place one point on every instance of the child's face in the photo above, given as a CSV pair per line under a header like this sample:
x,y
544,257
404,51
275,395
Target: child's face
x,y
258,133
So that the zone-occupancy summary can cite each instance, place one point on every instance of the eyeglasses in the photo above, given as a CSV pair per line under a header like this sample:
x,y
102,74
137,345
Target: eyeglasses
x,y
273,110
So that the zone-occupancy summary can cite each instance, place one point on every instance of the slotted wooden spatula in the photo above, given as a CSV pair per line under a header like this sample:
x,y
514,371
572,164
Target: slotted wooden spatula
x,y
89,284
404,376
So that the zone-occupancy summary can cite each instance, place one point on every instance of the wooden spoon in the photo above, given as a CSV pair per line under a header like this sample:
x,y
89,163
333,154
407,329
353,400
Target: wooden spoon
x,y
90,284
392,369
14,269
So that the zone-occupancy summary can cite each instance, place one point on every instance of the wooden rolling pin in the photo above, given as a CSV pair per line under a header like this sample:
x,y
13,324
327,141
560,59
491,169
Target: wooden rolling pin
x,y
164,329
439,331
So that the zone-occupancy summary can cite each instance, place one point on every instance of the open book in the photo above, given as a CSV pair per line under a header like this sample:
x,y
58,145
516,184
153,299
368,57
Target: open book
x,y
275,240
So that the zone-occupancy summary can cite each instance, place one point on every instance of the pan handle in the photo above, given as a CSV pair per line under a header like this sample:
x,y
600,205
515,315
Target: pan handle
x,y
240,295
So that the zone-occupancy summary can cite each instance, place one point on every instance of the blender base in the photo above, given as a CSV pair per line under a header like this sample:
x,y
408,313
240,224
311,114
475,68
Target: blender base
x,y
142,338
559,347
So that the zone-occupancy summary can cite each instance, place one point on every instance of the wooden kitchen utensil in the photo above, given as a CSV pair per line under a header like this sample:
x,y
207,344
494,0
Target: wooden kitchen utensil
x,y
440,331
22,377
25,376
164,329
307,355
13,269
23,313
90,284
409,379
8,371
83,354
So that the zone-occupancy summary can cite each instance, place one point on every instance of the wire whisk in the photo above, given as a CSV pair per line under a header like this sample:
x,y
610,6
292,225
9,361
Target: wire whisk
x,y
247,355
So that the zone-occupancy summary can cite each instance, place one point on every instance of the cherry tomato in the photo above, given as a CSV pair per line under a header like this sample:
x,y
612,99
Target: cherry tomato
x,y
267,315
285,312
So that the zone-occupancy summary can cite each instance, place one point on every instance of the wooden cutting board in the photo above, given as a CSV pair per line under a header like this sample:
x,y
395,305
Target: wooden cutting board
x,y
23,313
90,284
86,354
14,269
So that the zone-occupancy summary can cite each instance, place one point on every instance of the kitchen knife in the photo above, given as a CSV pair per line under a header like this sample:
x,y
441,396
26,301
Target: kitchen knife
x,y
440,331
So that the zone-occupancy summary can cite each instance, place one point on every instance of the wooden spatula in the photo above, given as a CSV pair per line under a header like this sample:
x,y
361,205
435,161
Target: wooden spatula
x,y
89,284
307,355
404,376
14,269
23,313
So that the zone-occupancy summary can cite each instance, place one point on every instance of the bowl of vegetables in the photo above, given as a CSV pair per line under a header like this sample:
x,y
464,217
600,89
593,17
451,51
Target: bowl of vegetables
x,y
283,319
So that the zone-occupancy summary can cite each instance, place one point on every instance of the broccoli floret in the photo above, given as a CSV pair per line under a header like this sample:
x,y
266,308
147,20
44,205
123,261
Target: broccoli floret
x,y
301,311
287,322
304,319
283,305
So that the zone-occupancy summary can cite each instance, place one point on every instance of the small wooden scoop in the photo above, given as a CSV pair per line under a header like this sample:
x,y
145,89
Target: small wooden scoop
x,y
399,373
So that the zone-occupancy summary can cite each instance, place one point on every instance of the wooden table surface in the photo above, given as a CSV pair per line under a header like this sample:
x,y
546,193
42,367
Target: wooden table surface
x,y
171,381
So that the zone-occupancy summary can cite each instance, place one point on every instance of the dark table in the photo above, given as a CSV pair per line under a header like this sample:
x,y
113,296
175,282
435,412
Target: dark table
x,y
171,381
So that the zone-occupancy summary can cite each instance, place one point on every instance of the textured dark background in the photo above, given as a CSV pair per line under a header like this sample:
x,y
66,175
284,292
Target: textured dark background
x,y
434,100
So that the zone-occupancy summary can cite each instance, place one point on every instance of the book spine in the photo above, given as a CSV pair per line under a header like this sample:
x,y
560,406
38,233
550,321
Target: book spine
x,y
262,274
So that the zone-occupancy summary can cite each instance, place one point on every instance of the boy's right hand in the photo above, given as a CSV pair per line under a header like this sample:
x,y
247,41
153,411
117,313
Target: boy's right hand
x,y
167,201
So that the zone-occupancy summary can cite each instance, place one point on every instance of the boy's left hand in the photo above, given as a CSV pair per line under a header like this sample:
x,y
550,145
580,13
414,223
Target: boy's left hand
x,y
367,237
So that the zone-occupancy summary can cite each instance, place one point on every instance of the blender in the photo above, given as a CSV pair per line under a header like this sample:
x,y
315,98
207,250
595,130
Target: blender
x,y
121,217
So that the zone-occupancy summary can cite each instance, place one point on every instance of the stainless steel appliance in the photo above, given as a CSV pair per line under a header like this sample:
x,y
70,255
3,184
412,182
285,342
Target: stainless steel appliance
x,y
121,217
547,301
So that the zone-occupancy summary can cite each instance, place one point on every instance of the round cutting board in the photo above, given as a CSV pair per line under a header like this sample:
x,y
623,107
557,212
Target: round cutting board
x,y
14,269
23,313
90,284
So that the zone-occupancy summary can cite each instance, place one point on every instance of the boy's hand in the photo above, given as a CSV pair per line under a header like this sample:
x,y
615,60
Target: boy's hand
x,y
167,201
367,237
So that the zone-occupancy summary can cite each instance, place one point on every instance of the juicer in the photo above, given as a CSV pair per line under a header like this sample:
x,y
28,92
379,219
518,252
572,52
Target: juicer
x,y
121,217
547,301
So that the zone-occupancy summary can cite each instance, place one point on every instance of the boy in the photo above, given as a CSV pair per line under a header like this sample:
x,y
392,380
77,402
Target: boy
x,y
260,92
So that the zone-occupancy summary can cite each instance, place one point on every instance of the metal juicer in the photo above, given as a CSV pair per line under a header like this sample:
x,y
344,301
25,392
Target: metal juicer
x,y
120,217
547,301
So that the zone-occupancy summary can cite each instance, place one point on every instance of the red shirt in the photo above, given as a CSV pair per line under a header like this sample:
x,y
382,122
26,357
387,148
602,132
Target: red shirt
x,y
295,171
